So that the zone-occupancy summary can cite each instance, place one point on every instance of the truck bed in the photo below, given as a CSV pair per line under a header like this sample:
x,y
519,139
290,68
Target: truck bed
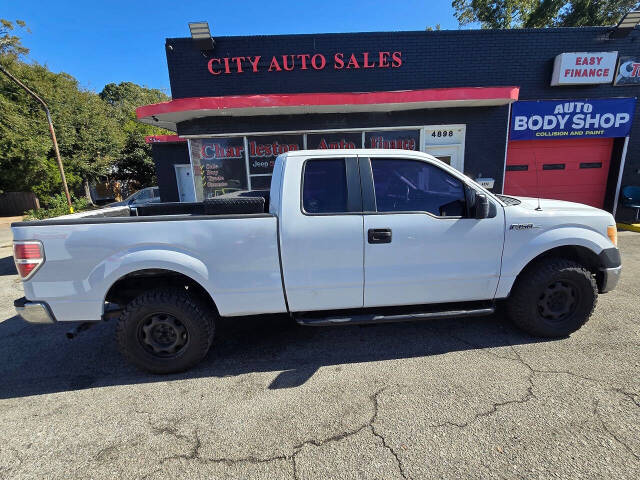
x,y
85,256
232,204
236,204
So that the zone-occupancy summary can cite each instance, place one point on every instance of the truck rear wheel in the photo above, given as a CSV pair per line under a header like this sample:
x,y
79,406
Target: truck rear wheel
x,y
553,298
165,330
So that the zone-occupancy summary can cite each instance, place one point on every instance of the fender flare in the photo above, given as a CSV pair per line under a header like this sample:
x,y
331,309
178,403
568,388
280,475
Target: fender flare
x,y
565,236
554,238
115,267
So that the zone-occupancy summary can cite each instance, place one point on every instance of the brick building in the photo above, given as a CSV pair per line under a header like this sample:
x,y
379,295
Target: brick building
x,y
530,112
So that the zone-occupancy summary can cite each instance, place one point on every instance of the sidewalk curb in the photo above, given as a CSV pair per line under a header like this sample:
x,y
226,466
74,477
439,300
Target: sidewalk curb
x,y
631,227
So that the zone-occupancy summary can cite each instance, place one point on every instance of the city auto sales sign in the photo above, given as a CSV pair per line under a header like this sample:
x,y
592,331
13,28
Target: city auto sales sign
x,y
560,119
304,61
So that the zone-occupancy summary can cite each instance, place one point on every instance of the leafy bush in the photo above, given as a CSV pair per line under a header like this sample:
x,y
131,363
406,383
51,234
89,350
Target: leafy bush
x,y
57,205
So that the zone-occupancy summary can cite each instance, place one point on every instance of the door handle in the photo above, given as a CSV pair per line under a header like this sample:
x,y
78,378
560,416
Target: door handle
x,y
379,235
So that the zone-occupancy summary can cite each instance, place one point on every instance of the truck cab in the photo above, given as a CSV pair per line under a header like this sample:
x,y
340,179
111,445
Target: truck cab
x,y
384,229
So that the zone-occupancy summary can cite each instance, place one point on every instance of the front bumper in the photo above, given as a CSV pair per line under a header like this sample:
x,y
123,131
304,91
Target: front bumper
x,y
610,278
33,312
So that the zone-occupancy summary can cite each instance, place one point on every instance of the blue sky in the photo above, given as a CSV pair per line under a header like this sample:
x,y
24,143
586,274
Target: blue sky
x,y
102,41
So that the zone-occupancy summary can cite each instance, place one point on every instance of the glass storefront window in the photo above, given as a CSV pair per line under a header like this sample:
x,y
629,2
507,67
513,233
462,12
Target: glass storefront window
x,y
261,182
218,166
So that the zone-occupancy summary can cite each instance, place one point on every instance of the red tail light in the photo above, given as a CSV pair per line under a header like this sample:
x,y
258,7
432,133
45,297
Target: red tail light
x,y
28,257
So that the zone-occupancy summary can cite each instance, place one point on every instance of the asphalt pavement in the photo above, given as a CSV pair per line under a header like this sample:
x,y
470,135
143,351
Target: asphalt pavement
x,y
457,398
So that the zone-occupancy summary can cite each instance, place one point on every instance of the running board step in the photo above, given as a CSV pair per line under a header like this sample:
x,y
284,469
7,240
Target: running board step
x,y
364,319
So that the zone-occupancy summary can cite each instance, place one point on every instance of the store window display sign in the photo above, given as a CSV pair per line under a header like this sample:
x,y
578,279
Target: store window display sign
x,y
628,72
324,141
264,150
561,119
583,68
394,139
218,166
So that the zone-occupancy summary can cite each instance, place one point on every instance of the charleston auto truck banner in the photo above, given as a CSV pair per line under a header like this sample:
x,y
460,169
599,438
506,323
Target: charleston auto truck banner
x,y
561,119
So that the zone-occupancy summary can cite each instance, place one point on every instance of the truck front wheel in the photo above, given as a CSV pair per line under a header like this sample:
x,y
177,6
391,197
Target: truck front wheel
x,y
165,330
553,298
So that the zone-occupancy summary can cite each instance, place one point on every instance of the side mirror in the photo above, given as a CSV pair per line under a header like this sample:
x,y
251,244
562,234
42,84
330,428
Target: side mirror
x,y
481,206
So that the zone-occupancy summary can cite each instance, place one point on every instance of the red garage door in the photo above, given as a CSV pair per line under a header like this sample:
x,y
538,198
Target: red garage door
x,y
574,170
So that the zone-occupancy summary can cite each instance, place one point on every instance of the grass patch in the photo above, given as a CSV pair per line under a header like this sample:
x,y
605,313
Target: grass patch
x,y
56,206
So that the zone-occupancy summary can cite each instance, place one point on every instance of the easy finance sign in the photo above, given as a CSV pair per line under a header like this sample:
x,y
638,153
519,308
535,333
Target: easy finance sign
x,y
558,119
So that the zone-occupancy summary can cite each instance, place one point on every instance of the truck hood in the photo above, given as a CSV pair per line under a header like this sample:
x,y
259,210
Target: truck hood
x,y
547,204
554,214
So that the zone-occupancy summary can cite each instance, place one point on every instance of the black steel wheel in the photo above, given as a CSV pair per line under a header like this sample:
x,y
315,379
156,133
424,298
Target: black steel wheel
x,y
165,330
553,298
558,301
162,334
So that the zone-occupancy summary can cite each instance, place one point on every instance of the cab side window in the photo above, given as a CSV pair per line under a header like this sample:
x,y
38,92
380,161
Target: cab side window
x,y
415,186
324,187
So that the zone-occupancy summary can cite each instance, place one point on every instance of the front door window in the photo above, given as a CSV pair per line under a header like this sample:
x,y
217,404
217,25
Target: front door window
x,y
421,207
416,186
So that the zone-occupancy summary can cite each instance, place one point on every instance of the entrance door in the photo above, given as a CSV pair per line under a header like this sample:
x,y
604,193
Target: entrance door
x,y
574,170
417,243
184,179
449,154
446,143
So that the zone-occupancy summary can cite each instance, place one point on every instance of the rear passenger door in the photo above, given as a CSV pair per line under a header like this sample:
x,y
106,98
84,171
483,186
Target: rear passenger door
x,y
420,244
321,234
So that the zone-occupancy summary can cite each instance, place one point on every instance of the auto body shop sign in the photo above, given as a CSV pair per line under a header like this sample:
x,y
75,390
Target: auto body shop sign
x,y
561,119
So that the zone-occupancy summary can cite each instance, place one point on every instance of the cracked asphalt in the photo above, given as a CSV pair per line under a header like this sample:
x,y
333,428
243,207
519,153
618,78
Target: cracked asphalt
x,y
458,398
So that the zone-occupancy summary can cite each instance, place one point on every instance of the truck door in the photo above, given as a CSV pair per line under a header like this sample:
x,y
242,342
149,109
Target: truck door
x,y
321,234
420,245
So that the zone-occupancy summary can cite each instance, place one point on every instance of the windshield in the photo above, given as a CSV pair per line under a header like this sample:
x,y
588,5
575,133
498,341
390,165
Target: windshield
x,y
141,194
133,196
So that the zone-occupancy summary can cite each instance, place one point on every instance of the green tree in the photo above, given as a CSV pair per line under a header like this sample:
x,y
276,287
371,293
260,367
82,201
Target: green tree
x,y
94,138
134,162
126,96
541,13
88,135
10,44
579,13
97,133
26,153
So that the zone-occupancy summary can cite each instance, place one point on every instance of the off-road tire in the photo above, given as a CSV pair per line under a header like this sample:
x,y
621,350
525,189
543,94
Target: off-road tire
x,y
523,305
192,315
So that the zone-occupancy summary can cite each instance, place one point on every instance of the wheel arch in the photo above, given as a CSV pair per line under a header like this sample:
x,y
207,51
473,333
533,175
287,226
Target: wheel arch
x,y
133,283
577,253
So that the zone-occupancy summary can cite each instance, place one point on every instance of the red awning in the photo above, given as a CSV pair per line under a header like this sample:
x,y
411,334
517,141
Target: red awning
x,y
164,139
167,114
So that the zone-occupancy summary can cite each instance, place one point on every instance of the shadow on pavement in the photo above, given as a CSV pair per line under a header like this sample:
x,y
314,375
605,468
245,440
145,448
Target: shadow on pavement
x,y
7,266
38,359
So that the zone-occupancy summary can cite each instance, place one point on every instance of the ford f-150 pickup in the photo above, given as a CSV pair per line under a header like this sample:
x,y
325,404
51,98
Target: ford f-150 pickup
x,y
342,237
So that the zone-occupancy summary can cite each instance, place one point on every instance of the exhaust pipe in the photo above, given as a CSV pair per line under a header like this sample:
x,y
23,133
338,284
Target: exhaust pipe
x,y
75,331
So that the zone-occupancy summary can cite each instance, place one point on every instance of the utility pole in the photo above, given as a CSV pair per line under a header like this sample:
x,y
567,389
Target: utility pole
x,y
51,131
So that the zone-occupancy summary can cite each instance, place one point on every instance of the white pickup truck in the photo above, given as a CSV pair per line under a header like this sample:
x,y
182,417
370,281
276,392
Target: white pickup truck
x,y
343,237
